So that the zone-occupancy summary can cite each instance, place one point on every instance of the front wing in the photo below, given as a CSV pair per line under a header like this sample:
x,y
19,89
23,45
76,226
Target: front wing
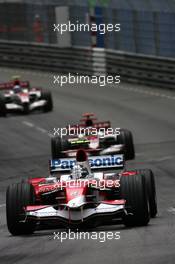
x,y
20,107
69,215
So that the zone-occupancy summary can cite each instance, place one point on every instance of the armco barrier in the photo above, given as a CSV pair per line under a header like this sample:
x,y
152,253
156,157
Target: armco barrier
x,y
131,67
51,58
141,69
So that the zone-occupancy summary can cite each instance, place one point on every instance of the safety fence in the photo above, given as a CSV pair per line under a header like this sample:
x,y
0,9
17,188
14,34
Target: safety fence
x,y
147,27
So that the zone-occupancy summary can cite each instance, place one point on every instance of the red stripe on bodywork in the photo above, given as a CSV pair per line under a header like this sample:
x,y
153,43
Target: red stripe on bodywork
x,y
115,202
35,207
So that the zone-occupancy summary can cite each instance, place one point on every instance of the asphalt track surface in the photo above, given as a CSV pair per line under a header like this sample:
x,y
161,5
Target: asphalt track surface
x,y
25,150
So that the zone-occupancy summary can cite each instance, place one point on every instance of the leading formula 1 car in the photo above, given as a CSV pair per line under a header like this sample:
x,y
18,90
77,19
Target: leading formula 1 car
x,y
99,143
18,96
84,193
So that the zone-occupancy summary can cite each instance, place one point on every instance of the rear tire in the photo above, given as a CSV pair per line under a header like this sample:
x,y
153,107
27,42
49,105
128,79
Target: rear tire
x,y
133,190
125,138
151,188
17,197
49,102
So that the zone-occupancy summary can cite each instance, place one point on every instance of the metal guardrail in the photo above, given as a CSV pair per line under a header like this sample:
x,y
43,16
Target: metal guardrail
x,y
131,67
141,69
51,58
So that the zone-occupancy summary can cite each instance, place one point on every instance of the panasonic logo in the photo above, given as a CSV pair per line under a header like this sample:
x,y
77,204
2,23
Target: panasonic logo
x,y
108,161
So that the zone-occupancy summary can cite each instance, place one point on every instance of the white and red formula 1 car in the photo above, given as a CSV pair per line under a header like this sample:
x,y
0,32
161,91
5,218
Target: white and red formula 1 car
x,y
18,96
82,192
97,138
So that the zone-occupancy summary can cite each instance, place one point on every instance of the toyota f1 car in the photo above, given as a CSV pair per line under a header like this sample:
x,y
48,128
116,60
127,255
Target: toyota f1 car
x,y
17,96
100,143
82,192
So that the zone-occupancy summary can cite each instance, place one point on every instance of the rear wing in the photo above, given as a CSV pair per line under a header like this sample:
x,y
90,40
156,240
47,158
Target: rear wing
x,y
106,162
10,85
97,125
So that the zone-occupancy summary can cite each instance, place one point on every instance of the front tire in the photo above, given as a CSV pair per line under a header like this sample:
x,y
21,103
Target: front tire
x,y
47,96
58,145
133,190
26,109
3,110
17,197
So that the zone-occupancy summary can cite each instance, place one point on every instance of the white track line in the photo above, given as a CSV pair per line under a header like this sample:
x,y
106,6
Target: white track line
x,y
152,93
171,210
40,129
164,158
28,124
160,159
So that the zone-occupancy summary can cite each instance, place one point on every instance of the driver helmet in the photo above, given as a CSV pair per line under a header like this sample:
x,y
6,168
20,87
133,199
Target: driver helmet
x,y
89,122
79,172
17,88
